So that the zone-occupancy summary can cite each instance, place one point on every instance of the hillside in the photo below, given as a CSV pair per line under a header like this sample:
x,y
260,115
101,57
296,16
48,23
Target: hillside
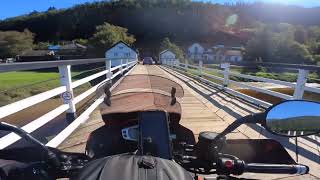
x,y
183,21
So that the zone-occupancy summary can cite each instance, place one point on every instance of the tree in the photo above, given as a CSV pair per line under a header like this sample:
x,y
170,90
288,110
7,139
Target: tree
x,y
42,46
300,35
262,45
314,33
52,8
13,43
297,53
107,35
317,59
167,44
313,46
82,41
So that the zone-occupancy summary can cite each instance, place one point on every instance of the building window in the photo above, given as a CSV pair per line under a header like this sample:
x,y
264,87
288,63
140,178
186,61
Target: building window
x,y
120,47
115,54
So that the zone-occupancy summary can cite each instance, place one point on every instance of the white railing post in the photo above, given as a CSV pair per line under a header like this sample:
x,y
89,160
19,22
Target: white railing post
x,y
121,68
108,67
127,64
301,81
187,65
226,72
200,67
65,80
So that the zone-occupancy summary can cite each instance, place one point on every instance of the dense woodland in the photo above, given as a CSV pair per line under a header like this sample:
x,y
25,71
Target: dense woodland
x,y
270,32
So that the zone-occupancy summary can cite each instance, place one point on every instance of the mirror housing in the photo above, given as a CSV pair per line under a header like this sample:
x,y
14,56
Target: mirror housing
x,y
293,118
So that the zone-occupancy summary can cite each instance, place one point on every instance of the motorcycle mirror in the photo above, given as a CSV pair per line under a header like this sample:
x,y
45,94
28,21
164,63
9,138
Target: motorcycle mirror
x,y
294,118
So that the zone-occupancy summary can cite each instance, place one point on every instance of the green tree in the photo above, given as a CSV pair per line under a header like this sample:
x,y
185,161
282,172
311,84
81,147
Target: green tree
x,y
280,43
41,46
82,41
13,43
317,59
167,44
301,35
107,35
314,33
262,45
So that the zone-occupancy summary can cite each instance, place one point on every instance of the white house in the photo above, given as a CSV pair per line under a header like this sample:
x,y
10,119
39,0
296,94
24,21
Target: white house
x,y
195,52
167,57
120,51
233,55
208,56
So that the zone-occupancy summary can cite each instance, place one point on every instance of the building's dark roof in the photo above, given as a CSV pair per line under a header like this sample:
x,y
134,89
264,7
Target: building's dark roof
x,y
36,53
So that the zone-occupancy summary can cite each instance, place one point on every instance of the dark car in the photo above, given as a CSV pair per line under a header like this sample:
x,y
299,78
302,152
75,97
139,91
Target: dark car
x,y
147,61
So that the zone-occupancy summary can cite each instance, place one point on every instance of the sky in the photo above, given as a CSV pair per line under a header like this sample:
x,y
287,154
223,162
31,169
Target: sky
x,y
11,8
294,109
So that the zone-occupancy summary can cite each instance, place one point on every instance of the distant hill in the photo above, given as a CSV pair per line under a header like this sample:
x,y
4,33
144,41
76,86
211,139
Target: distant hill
x,y
183,21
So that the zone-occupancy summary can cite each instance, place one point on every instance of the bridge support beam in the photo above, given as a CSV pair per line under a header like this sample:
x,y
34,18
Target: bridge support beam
x,y
65,79
301,82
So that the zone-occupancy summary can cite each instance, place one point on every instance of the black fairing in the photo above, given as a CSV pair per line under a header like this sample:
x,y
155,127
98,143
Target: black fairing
x,y
266,151
133,167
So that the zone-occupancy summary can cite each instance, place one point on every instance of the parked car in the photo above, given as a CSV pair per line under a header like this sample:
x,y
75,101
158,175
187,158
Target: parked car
x,y
147,61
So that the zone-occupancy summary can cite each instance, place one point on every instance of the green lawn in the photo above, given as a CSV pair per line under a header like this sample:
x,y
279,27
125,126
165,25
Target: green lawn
x,y
10,80
313,77
21,84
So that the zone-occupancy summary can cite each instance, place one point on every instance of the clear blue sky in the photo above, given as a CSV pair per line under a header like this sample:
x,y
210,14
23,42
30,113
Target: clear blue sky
x,y
11,8
294,109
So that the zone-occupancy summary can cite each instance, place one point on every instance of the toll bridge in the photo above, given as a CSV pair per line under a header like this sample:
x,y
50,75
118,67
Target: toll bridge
x,y
206,106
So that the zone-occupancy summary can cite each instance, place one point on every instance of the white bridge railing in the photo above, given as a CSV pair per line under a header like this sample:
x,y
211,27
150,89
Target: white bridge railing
x,y
66,90
299,86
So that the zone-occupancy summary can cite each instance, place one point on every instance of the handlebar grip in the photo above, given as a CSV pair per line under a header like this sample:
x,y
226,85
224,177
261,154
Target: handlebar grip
x,y
276,168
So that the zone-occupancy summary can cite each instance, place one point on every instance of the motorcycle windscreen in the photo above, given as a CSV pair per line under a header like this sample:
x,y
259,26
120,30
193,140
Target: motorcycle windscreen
x,y
137,102
145,82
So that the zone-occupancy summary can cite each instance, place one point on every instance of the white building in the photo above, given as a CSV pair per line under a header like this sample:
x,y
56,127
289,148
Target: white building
x,y
195,52
208,55
120,51
233,56
167,57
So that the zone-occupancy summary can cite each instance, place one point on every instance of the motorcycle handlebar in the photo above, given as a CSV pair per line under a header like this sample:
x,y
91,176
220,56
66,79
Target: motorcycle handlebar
x,y
238,167
276,168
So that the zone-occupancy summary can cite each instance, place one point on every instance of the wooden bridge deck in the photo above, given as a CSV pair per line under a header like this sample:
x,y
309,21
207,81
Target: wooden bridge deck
x,y
208,109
